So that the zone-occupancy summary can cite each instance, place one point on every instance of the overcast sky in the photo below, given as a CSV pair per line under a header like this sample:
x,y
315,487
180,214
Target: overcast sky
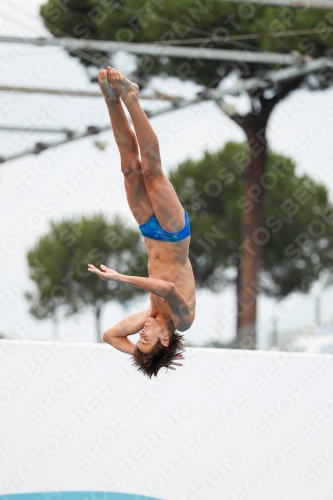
x,y
54,185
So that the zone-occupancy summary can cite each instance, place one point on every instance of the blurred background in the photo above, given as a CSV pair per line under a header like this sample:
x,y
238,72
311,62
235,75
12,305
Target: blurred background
x,y
244,117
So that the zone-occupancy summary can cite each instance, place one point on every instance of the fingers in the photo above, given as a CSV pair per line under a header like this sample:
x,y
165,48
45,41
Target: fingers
x,y
94,269
174,363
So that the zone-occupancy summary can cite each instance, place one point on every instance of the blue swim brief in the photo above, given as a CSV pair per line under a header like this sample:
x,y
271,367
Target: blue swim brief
x,y
152,229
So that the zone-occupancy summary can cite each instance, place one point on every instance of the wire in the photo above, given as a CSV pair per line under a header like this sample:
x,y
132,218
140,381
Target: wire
x,y
282,43
200,32
251,36
286,3
266,82
92,130
173,23
16,128
84,93
209,36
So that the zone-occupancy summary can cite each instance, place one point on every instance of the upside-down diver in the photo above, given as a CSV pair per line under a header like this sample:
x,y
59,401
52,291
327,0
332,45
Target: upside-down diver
x,y
165,226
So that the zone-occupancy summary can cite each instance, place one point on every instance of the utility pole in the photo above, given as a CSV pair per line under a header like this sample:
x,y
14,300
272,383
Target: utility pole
x,y
159,50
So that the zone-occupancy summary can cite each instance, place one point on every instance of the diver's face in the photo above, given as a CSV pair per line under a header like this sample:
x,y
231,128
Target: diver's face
x,y
152,330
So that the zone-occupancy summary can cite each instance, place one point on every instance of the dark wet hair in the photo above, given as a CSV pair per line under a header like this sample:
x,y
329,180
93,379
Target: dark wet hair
x,y
160,356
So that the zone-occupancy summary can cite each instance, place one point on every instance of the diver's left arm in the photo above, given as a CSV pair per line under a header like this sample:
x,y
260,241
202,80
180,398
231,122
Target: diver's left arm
x,y
117,334
152,285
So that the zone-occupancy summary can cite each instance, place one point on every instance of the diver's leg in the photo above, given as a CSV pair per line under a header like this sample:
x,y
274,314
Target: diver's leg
x,y
136,192
163,197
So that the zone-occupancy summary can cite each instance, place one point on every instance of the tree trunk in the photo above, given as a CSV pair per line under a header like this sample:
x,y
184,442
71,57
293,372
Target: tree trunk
x,y
98,323
253,235
275,340
237,300
55,326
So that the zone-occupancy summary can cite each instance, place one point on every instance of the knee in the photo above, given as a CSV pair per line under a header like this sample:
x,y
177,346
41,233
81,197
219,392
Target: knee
x,y
130,167
151,170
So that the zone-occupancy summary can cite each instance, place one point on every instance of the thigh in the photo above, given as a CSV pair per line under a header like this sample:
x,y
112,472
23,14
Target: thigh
x,y
165,202
137,197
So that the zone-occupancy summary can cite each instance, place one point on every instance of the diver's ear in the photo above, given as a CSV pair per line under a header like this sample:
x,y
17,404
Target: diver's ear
x,y
165,340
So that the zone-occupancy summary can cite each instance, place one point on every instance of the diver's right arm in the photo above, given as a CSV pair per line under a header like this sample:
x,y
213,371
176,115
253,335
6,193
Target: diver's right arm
x,y
117,334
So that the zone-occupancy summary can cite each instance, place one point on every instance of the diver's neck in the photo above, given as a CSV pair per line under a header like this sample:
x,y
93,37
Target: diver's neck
x,y
161,318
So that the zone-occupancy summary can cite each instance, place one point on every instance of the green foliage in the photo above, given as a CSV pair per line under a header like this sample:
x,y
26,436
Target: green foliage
x,y
58,265
296,230
160,21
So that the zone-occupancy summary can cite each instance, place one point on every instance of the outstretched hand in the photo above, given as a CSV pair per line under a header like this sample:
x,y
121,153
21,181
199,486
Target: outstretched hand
x,y
180,356
105,274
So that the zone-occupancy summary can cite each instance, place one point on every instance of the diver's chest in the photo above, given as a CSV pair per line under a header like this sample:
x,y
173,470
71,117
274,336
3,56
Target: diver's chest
x,y
159,304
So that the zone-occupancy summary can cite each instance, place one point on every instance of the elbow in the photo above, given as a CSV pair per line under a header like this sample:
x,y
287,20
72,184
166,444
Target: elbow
x,y
105,337
108,337
170,288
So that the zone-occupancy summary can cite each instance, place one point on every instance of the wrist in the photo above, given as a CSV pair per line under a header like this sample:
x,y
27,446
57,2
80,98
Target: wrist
x,y
121,278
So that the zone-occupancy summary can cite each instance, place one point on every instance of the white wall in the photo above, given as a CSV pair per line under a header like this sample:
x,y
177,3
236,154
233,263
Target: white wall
x,y
228,425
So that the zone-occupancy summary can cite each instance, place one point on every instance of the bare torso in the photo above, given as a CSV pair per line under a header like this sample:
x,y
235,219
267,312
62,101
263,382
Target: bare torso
x,y
169,261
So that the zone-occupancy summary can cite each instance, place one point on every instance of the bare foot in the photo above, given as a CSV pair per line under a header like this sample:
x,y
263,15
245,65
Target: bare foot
x,y
108,91
126,89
